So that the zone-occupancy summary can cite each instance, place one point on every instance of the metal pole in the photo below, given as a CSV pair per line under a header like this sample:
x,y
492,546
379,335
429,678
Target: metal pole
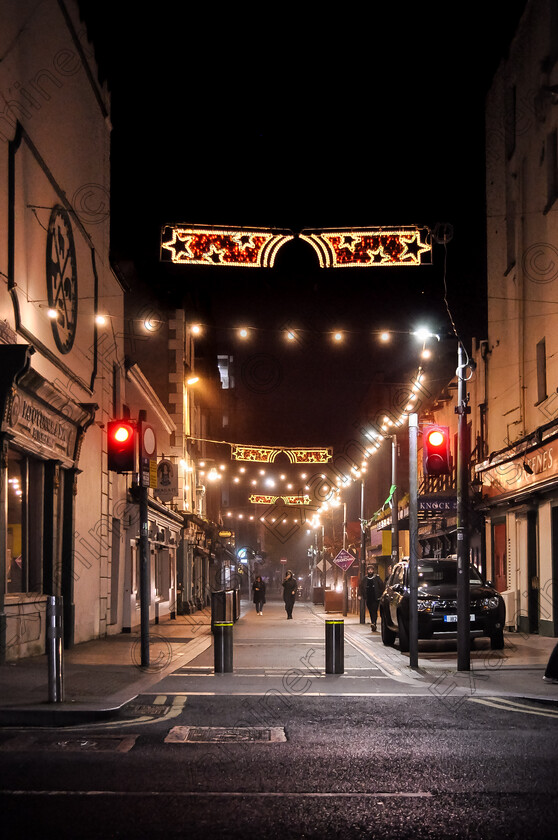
x,y
345,583
413,541
463,595
362,552
394,504
54,648
145,582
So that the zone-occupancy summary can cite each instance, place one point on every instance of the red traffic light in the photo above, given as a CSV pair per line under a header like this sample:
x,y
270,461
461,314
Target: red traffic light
x,y
436,450
121,446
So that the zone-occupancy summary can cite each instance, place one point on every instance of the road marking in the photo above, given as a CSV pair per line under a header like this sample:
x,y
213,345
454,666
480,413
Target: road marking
x,y
266,693
422,794
509,706
179,699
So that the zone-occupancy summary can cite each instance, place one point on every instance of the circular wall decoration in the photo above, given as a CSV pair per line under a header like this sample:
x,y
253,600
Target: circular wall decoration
x,y
61,278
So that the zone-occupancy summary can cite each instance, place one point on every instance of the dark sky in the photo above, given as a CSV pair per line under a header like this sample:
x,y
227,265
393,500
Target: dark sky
x,y
278,117
289,119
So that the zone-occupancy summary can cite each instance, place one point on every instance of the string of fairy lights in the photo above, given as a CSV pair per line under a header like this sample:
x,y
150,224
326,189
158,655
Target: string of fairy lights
x,y
303,496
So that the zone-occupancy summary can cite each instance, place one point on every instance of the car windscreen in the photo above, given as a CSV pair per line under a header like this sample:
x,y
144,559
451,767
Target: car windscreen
x,y
444,573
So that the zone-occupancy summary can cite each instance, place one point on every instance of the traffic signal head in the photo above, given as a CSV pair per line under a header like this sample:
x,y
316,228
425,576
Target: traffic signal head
x,y
435,450
121,446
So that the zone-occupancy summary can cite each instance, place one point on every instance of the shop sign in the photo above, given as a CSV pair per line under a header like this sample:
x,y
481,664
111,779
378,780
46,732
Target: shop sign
x,y
522,472
437,504
41,427
167,480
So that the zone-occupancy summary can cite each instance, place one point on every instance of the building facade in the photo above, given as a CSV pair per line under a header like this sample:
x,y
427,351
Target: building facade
x,y
519,473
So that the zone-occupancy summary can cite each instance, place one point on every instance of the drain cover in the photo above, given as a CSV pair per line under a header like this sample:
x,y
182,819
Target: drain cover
x,y
219,734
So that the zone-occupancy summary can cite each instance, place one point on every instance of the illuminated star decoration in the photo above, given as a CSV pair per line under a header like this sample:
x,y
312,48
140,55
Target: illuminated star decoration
x,y
370,247
262,499
246,248
266,454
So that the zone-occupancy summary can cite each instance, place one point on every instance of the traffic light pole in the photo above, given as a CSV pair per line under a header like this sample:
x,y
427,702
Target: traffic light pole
x,y
413,541
145,582
463,457
362,602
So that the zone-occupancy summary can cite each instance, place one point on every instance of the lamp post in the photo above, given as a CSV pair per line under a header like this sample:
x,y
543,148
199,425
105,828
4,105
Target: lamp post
x,y
394,503
462,481
362,550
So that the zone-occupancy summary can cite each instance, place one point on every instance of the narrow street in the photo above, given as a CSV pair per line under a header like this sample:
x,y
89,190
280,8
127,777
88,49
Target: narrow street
x,y
279,746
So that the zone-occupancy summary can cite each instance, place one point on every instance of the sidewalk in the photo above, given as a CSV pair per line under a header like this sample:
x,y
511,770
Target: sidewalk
x,y
101,676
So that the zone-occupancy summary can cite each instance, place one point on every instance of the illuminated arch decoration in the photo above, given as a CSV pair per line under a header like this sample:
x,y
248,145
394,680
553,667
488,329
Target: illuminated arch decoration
x,y
263,499
212,246
267,454
370,247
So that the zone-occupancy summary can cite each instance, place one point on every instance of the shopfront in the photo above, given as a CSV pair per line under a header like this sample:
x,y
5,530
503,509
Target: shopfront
x,y
520,502
40,441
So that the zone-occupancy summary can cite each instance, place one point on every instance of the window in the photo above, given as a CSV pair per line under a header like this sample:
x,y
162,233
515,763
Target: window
x,y
551,154
541,371
509,120
25,523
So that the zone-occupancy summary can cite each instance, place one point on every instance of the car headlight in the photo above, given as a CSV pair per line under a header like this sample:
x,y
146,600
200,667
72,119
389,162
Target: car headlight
x,y
490,603
423,606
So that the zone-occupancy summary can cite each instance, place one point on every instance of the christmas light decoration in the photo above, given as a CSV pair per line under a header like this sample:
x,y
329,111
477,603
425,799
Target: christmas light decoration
x,y
370,247
247,248
309,456
266,454
263,499
258,454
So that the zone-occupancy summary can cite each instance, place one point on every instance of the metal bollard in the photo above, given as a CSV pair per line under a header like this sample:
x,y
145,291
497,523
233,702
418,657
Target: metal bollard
x,y
335,646
223,646
54,648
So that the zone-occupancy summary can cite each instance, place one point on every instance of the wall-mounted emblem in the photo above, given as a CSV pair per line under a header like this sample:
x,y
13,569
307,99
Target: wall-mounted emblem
x,y
61,278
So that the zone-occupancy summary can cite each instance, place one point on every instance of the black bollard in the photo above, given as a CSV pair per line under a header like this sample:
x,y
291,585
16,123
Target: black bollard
x,y
335,646
223,646
54,649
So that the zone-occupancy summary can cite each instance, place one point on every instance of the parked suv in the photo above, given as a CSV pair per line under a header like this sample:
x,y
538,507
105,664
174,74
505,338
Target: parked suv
x,y
437,604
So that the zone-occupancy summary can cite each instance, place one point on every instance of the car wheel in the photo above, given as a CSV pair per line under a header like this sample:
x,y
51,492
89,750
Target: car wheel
x,y
403,635
388,636
497,640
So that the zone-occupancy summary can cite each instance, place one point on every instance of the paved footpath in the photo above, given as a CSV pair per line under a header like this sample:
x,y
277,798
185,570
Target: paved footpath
x,y
101,675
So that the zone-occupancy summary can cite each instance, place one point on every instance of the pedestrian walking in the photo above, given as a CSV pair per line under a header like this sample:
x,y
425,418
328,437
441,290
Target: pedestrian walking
x,y
551,673
371,588
290,587
258,591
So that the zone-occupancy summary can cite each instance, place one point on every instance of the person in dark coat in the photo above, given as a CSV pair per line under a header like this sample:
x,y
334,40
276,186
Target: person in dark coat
x,y
371,588
290,587
551,672
258,590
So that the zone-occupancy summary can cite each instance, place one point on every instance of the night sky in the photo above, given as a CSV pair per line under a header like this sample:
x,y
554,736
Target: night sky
x,y
280,118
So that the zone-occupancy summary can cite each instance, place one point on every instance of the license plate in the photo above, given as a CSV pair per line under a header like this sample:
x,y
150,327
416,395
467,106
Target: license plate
x,y
454,617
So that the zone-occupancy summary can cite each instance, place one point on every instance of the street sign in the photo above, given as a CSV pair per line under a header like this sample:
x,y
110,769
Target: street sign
x,y
344,559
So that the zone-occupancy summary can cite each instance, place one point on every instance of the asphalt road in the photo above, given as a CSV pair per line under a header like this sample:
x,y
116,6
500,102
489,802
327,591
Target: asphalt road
x,y
291,766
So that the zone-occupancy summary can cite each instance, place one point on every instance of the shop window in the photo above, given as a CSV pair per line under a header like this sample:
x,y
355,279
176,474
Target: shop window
x,y
499,556
25,524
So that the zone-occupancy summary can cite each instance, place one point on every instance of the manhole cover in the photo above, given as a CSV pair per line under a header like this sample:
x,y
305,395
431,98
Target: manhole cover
x,y
102,743
220,734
